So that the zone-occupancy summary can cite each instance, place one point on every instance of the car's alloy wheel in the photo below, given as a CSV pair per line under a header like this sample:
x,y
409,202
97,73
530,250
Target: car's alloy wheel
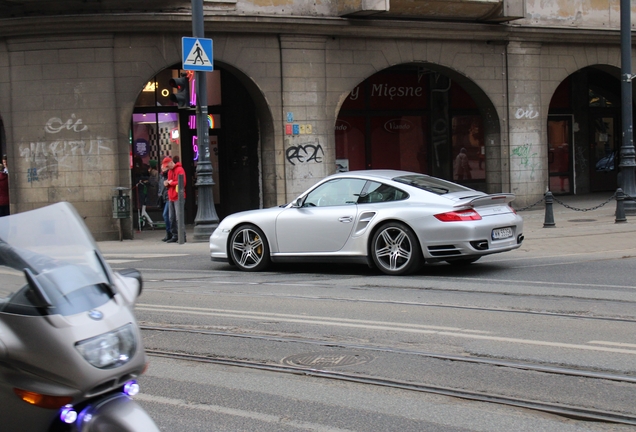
x,y
395,249
249,248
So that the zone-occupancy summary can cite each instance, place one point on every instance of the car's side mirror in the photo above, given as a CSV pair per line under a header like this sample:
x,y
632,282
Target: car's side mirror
x,y
298,202
134,274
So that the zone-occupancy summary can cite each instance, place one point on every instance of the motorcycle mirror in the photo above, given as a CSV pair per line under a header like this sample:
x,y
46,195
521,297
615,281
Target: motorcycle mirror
x,y
135,274
41,298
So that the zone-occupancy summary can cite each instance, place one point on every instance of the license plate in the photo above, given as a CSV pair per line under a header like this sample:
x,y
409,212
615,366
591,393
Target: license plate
x,y
501,233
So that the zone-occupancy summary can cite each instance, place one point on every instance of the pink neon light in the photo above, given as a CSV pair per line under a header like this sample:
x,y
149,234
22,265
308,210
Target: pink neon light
x,y
195,147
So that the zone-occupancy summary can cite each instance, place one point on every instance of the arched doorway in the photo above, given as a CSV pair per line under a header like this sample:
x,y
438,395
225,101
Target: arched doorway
x,y
584,132
160,128
418,117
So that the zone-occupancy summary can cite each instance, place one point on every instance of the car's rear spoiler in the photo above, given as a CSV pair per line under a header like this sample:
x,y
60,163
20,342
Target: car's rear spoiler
x,y
494,199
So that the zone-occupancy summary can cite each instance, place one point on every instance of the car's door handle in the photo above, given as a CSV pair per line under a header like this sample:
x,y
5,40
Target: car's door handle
x,y
346,219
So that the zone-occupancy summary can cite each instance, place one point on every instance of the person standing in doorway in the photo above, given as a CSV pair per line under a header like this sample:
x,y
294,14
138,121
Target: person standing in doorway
x,y
4,192
462,166
162,197
175,170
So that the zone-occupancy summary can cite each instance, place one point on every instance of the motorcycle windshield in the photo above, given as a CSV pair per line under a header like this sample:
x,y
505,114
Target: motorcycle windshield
x,y
50,263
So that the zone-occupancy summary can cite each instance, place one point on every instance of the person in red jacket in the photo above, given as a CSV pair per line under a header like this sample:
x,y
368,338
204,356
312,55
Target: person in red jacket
x,y
4,192
174,170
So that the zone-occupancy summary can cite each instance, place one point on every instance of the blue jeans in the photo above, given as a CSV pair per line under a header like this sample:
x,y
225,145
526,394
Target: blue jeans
x,y
166,216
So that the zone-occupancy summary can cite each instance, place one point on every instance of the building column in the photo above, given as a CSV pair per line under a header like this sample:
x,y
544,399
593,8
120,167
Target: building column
x,y
306,126
527,123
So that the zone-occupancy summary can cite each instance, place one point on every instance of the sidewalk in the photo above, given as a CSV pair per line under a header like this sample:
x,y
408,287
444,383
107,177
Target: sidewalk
x,y
579,231
574,232
147,243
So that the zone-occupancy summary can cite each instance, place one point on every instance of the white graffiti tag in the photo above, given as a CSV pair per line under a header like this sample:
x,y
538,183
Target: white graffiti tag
x,y
529,113
55,125
63,148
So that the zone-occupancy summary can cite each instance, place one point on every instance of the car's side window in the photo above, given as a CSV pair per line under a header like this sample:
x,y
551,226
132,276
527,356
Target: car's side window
x,y
379,192
342,191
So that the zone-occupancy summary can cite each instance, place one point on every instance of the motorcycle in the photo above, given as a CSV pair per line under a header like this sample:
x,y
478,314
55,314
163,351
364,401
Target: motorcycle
x,y
70,348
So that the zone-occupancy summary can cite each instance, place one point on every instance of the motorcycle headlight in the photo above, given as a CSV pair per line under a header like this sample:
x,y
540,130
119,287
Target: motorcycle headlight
x,y
110,349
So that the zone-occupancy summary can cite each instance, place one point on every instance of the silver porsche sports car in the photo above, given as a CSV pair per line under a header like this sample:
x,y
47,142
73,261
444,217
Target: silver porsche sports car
x,y
393,220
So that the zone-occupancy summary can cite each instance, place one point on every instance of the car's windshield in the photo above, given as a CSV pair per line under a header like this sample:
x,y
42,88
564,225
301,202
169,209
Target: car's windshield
x,y
431,184
54,246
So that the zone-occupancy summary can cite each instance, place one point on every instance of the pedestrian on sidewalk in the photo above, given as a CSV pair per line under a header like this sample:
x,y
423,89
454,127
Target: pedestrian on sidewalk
x,y
174,171
162,196
4,192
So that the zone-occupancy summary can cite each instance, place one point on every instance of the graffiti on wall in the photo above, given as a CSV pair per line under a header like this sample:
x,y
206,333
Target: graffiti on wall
x,y
526,113
46,157
305,153
525,159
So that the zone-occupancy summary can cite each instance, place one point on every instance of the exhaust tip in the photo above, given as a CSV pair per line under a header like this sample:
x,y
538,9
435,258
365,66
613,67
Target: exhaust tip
x,y
480,244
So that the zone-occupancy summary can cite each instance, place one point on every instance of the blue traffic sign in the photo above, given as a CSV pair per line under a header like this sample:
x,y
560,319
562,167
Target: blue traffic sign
x,y
197,54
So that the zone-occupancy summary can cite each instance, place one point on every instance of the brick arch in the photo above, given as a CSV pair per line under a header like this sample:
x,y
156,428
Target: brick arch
x,y
560,63
491,118
142,58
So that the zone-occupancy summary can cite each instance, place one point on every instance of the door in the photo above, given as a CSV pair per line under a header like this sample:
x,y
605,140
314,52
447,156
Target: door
x,y
603,153
324,222
560,154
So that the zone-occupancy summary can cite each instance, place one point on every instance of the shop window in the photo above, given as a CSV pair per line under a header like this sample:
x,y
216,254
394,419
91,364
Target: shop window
x,y
401,119
399,142
597,100
469,152
350,149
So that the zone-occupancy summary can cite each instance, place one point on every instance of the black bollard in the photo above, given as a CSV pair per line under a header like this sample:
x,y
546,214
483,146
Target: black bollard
x,y
549,214
620,206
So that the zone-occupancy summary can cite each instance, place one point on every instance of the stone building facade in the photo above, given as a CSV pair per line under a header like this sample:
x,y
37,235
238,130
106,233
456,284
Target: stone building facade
x,y
540,83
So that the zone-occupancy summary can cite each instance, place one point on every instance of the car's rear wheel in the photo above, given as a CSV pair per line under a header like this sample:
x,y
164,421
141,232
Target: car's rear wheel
x,y
395,249
249,248
463,261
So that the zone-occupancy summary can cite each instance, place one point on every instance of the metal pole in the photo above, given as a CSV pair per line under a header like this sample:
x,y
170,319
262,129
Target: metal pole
x,y
206,220
181,231
628,162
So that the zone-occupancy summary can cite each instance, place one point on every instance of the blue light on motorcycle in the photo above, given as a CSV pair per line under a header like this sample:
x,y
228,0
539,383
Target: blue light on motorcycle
x,y
68,414
131,388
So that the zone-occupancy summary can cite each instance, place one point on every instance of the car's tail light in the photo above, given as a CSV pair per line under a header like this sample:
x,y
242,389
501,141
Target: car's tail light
x,y
513,210
459,216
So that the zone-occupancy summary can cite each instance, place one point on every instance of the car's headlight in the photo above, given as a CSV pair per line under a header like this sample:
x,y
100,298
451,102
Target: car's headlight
x,y
110,349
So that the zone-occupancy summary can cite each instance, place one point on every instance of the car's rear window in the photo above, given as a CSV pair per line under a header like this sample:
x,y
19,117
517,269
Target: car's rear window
x,y
431,184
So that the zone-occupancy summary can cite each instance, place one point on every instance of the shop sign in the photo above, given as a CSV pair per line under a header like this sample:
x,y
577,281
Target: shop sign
x,y
398,125
342,126
141,147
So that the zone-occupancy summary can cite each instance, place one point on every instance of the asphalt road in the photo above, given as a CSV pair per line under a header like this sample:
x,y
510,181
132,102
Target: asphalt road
x,y
550,326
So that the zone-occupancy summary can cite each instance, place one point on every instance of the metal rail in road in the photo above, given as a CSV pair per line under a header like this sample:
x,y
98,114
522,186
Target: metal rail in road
x,y
573,412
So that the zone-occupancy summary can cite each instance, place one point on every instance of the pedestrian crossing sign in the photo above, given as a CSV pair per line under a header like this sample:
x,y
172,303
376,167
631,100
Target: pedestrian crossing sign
x,y
197,54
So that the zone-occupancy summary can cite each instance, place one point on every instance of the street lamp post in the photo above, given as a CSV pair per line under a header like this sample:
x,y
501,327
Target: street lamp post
x,y
628,163
206,220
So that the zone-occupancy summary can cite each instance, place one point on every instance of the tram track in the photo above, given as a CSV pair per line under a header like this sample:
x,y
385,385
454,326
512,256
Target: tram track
x,y
582,373
569,411
448,306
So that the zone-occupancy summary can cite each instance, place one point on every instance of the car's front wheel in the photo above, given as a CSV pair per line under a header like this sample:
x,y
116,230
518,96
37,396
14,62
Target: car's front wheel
x,y
395,249
249,248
